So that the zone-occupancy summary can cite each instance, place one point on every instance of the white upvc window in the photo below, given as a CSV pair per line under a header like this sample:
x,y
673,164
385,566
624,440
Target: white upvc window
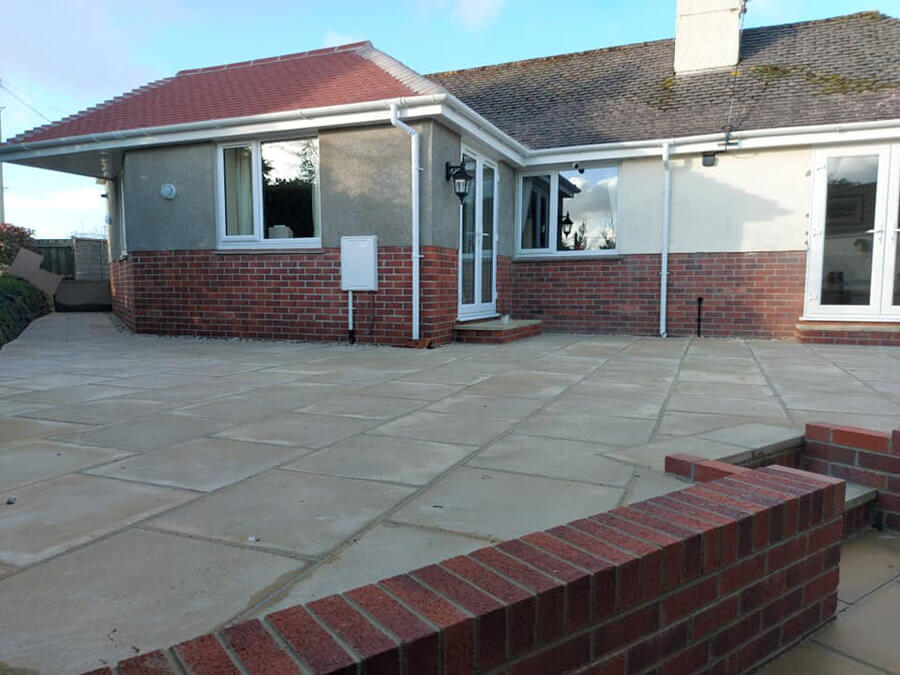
x,y
566,211
268,194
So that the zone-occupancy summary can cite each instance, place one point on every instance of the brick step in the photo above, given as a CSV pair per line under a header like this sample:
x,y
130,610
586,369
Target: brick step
x,y
494,331
849,332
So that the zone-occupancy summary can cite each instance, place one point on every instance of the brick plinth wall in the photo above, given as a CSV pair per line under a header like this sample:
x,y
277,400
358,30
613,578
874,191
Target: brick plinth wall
x,y
807,332
753,295
861,456
121,285
292,295
719,576
504,285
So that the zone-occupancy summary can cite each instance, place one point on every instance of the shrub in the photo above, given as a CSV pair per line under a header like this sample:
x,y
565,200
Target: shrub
x,y
12,238
20,304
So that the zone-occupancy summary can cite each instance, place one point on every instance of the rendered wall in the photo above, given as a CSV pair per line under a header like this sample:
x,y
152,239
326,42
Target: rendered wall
x,y
749,201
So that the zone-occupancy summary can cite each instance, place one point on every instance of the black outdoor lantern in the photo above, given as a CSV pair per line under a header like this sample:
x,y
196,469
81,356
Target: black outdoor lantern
x,y
567,223
462,179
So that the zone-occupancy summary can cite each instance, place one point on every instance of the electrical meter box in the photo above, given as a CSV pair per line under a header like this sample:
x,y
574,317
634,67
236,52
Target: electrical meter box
x,y
359,263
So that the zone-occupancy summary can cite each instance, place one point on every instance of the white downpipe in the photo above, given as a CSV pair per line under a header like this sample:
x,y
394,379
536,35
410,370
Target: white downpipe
x,y
414,164
666,222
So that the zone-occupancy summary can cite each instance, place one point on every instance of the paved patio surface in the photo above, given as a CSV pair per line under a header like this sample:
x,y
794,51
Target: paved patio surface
x,y
167,486
862,640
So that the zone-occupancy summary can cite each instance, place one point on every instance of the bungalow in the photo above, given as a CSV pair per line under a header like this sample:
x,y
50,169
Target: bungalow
x,y
746,178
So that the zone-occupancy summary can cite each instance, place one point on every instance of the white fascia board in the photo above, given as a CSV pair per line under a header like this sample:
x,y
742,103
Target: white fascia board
x,y
856,132
481,137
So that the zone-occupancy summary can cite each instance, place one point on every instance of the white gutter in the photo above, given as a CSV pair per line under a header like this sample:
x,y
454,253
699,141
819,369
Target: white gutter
x,y
414,178
666,222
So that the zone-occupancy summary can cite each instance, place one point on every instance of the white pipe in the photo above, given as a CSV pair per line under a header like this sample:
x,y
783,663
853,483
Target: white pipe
x,y
666,222
414,178
350,311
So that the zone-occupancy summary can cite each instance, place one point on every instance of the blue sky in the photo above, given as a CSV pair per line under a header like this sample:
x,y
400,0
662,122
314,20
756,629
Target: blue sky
x,y
73,54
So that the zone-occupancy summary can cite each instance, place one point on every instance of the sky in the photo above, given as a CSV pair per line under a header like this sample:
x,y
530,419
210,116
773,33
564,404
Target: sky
x,y
71,55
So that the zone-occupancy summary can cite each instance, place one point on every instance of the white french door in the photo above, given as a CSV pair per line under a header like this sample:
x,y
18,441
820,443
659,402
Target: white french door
x,y
478,241
853,272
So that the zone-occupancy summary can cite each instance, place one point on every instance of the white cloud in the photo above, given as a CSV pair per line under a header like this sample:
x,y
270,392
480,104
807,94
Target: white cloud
x,y
472,14
335,38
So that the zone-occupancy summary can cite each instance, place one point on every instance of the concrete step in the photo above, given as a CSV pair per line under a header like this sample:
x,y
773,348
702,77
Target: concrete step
x,y
495,331
857,495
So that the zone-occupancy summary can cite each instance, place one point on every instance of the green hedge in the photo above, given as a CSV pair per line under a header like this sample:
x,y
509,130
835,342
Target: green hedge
x,y
20,304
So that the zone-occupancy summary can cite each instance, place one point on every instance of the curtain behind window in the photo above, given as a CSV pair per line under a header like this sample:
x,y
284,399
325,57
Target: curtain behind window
x,y
238,191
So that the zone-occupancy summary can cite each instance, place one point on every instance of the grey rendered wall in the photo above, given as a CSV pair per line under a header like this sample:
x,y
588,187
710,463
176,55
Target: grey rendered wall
x,y
186,222
440,217
113,236
506,212
365,179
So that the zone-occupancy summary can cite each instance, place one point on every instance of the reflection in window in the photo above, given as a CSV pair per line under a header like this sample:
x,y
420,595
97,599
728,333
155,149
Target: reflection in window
x,y
290,176
238,191
587,210
849,230
535,211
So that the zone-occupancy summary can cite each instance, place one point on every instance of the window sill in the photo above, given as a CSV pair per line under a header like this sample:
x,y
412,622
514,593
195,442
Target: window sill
x,y
563,257
859,319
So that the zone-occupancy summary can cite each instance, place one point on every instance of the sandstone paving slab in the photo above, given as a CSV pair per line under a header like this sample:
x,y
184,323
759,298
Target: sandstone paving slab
x,y
192,393
574,424
720,375
299,392
58,380
726,389
299,430
286,511
877,422
867,562
745,407
424,390
497,505
808,657
653,455
134,590
445,428
488,406
367,407
147,432
384,551
203,464
104,411
526,384
569,460
615,402
36,460
79,394
675,423
19,428
238,409
648,484
868,630
12,406
400,460
55,515
756,436
837,401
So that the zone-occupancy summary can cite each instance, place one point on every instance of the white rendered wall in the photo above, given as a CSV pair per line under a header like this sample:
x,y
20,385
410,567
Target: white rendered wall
x,y
749,201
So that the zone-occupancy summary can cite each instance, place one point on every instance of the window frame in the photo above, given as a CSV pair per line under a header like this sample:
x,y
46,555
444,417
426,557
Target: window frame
x,y
553,213
258,239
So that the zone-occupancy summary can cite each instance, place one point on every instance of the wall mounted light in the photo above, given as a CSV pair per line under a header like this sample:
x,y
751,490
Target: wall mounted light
x,y
566,223
462,179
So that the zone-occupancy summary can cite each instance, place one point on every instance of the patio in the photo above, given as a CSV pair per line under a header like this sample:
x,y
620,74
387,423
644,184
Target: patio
x,y
167,486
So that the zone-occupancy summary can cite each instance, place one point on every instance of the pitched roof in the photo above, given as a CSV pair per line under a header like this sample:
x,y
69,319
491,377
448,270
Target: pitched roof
x,y
844,69
351,73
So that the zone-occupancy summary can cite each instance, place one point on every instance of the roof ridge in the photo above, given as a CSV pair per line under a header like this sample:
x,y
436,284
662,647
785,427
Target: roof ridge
x,y
872,14
349,47
399,71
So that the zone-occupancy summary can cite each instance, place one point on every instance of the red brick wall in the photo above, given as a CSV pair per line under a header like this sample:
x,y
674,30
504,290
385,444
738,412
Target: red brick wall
x,y
293,295
850,336
861,456
756,295
504,285
722,575
121,284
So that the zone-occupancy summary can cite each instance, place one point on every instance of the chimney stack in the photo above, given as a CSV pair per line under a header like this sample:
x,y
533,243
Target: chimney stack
x,y
707,34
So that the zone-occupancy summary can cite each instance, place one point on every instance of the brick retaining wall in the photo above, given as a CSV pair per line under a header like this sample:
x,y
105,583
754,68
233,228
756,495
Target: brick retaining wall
x,y
722,575
862,456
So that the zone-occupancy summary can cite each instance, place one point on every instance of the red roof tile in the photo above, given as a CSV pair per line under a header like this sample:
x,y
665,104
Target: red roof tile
x,y
348,74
